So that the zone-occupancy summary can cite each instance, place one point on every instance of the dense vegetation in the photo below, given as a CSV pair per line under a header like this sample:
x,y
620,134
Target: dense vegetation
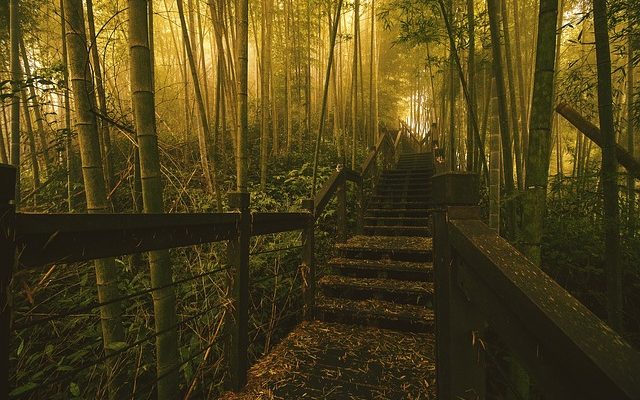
x,y
137,107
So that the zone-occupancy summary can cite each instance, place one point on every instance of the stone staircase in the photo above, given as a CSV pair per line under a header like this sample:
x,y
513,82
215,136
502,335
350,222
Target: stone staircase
x,y
383,278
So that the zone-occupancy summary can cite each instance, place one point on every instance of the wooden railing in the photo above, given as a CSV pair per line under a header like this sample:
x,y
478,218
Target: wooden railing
x,y
411,142
385,153
484,285
36,240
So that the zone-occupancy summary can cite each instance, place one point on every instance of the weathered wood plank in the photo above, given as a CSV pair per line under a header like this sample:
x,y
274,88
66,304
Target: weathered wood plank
x,y
265,223
631,164
308,265
7,264
47,238
456,188
326,192
237,320
585,356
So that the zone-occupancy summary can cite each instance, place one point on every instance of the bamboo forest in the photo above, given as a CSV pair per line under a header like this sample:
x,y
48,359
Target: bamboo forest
x,y
320,199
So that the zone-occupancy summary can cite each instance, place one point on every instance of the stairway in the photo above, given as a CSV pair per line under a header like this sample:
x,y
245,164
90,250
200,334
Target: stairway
x,y
373,335
383,278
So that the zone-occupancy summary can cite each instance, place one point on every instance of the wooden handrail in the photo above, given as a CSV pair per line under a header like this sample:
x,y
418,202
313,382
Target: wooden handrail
x,y
483,283
630,163
326,192
30,240
53,238
370,160
567,348
43,239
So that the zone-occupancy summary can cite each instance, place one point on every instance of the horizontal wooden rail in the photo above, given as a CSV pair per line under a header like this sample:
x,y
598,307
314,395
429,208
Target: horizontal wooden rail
x,y
483,282
49,238
266,223
564,345
631,164
30,240
63,238
326,192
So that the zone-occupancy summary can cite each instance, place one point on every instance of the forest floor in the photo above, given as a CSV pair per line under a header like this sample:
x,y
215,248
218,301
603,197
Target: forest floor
x,y
337,361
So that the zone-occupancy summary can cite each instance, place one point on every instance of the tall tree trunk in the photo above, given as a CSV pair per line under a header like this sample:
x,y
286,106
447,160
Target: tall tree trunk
x,y
523,100
4,157
265,74
33,152
453,162
471,79
354,83
103,126
7,128
164,300
494,162
512,95
493,9
534,205
203,65
16,82
373,84
95,191
471,109
68,143
325,92
204,133
556,117
631,182
287,72
537,161
609,168
44,145
242,52
307,87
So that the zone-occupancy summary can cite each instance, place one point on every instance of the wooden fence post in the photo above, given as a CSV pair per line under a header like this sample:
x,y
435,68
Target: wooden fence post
x,y
341,212
360,200
238,318
460,367
7,263
308,266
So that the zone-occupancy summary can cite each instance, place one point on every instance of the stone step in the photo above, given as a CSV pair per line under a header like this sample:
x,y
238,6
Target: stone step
x,y
396,221
401,292
399,204
418,199
375,313
426,171
400,184
397,230
397,213
399,248
404,181
385,268
416,156
414,168
383,190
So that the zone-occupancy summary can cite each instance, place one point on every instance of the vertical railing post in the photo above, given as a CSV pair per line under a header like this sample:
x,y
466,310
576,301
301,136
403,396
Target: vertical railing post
x,y
341,212
308,266
360,200
238,318
387,154
374,169
460,369
7,263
